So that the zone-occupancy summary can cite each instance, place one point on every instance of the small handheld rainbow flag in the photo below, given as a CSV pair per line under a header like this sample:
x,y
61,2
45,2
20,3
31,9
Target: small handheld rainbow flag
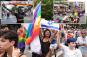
x,y
21,37
35,28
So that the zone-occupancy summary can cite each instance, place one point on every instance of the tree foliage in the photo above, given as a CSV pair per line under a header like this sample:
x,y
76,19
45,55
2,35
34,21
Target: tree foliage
x,y
47,9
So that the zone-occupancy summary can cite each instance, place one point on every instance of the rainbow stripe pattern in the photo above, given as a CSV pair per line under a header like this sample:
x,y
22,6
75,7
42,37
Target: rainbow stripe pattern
x,y
34,29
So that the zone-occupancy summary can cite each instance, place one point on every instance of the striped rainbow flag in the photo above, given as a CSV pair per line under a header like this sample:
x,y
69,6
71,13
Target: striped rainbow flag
x,y
34,30
21,37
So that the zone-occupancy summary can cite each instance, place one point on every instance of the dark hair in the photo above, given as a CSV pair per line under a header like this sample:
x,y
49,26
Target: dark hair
x,y
70,40
5,54
46,31
10,35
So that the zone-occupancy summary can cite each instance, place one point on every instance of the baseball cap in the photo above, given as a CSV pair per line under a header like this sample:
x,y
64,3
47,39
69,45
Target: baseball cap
x,y
71,40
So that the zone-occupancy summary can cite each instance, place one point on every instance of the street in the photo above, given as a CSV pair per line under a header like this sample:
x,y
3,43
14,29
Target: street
x,y
12,20
59,53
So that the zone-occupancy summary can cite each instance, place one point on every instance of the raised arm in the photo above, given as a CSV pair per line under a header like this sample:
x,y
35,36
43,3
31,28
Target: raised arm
x,y
6,8
60,45
41,34
58,39
53,35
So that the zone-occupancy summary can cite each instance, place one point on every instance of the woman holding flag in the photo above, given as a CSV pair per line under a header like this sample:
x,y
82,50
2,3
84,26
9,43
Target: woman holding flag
x,y
46,40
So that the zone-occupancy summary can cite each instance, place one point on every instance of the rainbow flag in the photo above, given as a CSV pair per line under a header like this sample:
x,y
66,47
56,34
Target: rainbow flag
x,y
35,28
21,37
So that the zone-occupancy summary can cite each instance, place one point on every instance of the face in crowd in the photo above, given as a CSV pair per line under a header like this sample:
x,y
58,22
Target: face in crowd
x,y
8,39
71,42
83,34
47,33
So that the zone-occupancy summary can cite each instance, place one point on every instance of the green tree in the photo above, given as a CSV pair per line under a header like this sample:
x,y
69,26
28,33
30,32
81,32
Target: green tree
x,y
47,9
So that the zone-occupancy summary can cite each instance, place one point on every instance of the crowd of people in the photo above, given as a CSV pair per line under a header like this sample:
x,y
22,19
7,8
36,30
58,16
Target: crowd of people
x,y
68,13
69,39
72,41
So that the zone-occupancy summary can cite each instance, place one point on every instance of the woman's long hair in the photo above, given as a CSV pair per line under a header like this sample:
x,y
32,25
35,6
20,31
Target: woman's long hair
x,y
45,32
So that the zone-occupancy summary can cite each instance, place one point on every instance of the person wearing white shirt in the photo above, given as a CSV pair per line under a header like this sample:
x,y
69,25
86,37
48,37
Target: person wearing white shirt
x,y
82,42
70,50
